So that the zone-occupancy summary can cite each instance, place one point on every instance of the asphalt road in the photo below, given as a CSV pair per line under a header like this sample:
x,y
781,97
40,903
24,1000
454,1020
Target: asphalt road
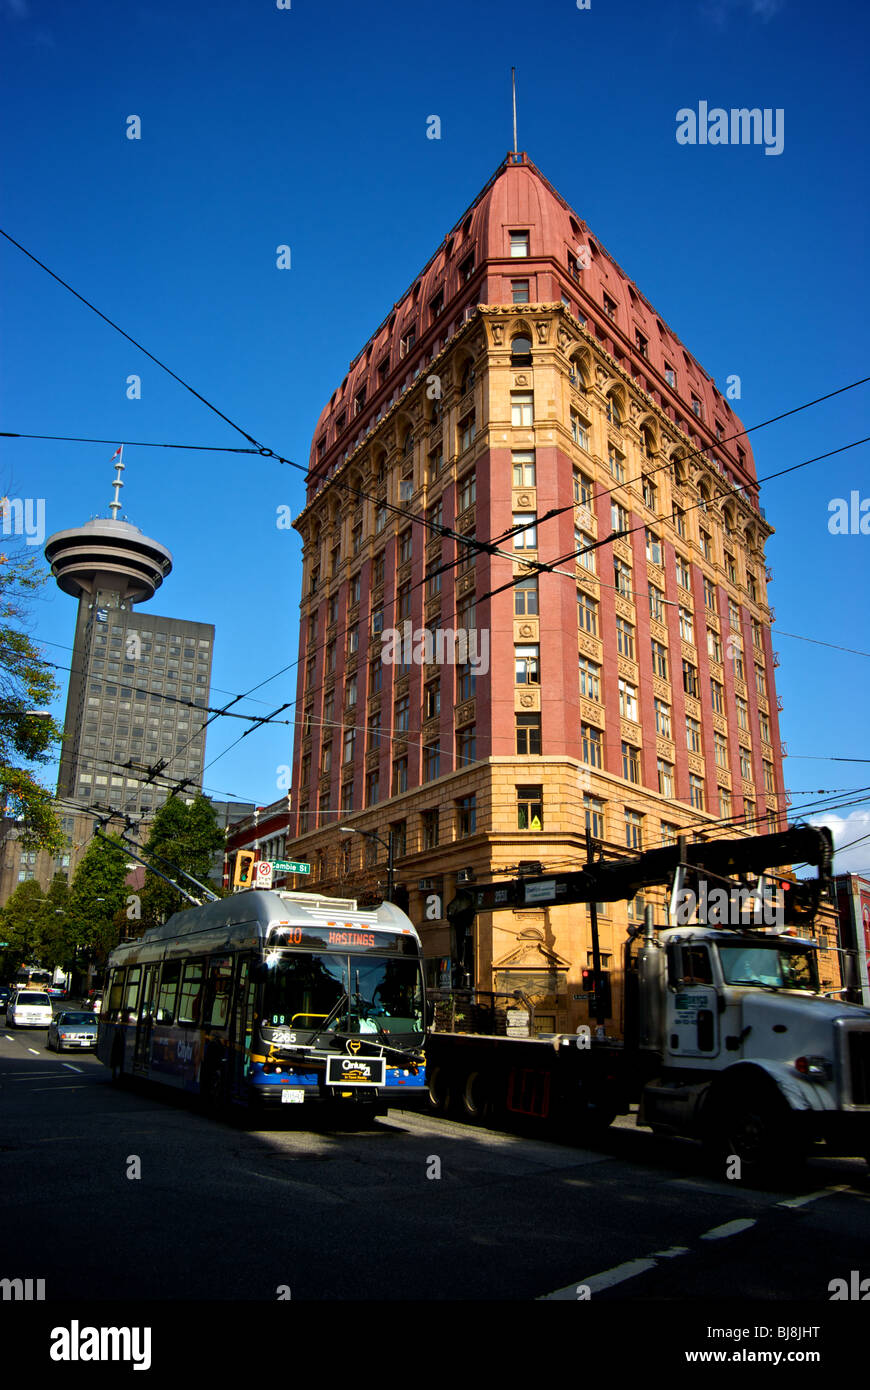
x,y
134,1194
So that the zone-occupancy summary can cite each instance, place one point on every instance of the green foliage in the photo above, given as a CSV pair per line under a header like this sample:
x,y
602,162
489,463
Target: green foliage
x,y
26,683
97,894
22,923
182,837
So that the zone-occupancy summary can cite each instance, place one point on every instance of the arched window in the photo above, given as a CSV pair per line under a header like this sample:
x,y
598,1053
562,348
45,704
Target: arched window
x,y
521,350
408,446
614,411
467,379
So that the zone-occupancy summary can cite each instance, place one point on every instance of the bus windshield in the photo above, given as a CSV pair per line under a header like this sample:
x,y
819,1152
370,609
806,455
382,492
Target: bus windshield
x,y
356,994
777,967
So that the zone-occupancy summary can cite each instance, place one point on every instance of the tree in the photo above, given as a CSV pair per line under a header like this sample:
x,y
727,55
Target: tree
x,y
27,736
22,923
58,948
98,892
184,837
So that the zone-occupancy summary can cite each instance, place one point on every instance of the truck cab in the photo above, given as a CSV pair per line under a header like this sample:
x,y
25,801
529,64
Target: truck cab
x,y
747,1042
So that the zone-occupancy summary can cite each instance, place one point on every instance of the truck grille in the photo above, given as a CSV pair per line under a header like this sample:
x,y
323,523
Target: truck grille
x,y
859,1067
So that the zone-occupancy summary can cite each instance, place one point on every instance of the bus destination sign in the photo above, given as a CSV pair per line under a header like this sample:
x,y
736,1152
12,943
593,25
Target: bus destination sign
x,y
344,936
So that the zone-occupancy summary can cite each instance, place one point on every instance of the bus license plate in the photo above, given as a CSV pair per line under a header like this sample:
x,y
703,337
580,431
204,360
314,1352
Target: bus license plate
x,y
293,1097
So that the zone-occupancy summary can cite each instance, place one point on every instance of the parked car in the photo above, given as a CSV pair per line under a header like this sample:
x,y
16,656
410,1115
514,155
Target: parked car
x,y
29,1008
5,995
72,1028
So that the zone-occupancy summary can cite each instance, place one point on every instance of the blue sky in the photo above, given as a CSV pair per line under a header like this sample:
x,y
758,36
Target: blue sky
x,y
307,127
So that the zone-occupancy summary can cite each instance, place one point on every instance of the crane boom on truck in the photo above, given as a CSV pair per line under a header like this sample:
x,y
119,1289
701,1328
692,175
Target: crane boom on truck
x,y
728,1038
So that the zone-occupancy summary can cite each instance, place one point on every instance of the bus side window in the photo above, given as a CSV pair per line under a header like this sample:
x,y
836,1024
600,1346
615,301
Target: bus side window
x,y
116,993
131,995
190,1000
217,1002
168,992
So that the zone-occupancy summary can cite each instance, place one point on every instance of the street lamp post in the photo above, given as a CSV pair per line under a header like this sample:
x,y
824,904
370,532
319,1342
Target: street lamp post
x,y
388,846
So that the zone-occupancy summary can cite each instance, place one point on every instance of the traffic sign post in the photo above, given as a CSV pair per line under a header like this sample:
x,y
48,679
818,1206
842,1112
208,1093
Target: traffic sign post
x,y
262,874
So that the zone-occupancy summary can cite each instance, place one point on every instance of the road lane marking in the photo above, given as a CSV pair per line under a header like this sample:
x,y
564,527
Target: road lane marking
x,y
731,1228
672,1253
35,1051
794,1202
58,1088
9,1036
597,1282
71,1067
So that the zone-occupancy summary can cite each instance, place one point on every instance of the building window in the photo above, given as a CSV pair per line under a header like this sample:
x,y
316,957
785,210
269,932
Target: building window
x,y
355,589
466,431
633,830
717,696
429,823
696,791
690,678
522,408
530,808
406,545
400,776
649,493
592,743
619,518
587,614
526,665
693,735
665,772
625,638
524,472
407,341
669,833
350,691
590,679
526,597
583,552
375,677
679,521
656,603
466,268
593,810
769,783
403,602
519,291
630,762
609,306
527,538
466,682
730,568
580,434
622,577
687,628
761,682
641,343
616,463
742,713
628,701
663,717
710,595
583,488
653,548
720,746
326,757
466,745
466,816
714,645
659,660
696,407
528,735
670,375
724,803
467,491
433,580
519,242
431,761
401,713
746,764
764,728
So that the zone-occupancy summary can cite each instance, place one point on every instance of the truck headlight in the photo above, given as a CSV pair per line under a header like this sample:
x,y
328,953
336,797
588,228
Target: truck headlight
x,y
814,1068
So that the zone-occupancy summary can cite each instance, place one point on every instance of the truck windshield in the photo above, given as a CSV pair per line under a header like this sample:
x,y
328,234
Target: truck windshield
x,y
372,995
777,967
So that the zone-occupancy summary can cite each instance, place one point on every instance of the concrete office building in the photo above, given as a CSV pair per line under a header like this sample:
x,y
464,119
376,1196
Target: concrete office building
x,y
132,672
524,393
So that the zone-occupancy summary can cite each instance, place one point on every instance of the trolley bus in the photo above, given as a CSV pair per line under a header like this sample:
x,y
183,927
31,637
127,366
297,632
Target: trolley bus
x,y
274,997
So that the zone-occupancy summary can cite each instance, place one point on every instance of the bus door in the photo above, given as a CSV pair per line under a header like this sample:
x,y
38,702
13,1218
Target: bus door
x,y
242,1028
145,1020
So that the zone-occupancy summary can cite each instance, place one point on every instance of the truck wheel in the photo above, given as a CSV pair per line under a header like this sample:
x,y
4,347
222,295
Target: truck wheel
x,y
756,1127
476,1104
438,1088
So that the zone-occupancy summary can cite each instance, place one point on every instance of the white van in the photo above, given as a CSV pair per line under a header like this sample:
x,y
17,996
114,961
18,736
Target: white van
x,y
29,1008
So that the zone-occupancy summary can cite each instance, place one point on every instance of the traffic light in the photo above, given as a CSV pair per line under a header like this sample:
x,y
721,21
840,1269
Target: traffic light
x,y
244,870
603,997
799,900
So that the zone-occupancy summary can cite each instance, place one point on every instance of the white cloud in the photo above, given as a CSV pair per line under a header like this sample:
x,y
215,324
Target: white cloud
x,y
845,829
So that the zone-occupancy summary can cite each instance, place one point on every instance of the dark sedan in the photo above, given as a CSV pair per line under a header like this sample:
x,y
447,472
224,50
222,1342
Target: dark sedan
x,y
72,1028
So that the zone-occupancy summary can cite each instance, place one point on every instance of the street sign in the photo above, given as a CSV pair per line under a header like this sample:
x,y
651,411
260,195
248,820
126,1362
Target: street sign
x,y
262,874
288,866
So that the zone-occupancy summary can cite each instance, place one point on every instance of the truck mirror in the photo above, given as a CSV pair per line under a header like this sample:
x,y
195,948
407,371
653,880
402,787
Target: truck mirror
x,y
675,964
